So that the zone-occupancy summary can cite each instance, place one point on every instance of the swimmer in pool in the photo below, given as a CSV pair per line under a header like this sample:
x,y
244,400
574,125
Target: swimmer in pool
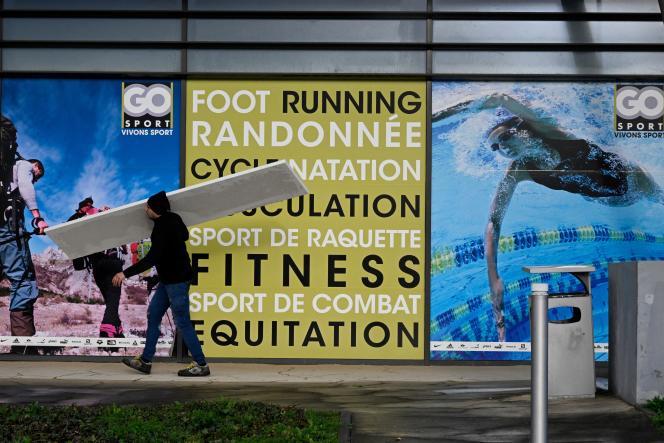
x,y
543,153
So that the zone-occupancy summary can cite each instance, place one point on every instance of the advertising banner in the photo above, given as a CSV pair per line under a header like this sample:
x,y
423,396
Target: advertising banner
x,y
86,145
528,174
338,273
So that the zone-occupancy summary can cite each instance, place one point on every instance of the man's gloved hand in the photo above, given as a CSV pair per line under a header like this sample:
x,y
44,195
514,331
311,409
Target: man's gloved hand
x,y
39,224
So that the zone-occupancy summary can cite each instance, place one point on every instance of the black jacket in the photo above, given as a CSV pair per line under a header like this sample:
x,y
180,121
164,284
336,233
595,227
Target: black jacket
x,y
168,251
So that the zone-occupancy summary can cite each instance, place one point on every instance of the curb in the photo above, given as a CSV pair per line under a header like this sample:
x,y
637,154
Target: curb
x,y
345,427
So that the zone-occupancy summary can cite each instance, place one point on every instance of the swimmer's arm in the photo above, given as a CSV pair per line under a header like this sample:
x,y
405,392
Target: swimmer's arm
x,y
450,111
547,126
501,201
514,106
489,102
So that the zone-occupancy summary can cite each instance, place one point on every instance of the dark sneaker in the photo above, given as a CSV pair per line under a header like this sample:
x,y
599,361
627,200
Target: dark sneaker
x,y
138,364
194,370
24,350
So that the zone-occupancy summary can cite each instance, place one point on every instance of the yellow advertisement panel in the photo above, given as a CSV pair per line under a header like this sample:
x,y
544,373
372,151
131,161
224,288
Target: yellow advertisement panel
x,y
338,273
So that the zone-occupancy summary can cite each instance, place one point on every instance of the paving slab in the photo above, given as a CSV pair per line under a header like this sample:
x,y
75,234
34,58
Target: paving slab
x,y
257,372
386,403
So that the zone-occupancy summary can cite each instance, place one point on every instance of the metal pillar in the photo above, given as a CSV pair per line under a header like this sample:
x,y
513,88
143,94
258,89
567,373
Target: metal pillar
x,y
539,331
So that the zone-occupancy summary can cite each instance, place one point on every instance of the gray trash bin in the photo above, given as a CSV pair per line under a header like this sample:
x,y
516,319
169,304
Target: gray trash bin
x,y
571,358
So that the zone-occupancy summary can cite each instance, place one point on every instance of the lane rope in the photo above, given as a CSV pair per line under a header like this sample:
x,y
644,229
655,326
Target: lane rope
x,y
449,257
516,308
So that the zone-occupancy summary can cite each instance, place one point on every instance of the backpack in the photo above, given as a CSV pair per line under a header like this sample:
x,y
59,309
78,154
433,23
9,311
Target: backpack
x,y
81,263
8,157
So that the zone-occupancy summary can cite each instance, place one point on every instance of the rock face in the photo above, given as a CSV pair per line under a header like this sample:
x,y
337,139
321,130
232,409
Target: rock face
x,y
71,305
56,274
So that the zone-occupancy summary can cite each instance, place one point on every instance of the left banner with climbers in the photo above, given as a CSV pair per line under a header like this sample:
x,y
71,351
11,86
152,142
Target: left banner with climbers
x,y
84,146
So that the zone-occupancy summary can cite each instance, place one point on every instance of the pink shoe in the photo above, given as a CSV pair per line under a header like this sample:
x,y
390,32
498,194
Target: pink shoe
x,y
110,331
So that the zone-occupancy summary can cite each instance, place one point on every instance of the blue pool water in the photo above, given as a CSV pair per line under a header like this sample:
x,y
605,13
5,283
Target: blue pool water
x,y
466,173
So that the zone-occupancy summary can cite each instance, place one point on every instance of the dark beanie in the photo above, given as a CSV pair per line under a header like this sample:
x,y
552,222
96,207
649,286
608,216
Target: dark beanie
x,y
86,201
159,203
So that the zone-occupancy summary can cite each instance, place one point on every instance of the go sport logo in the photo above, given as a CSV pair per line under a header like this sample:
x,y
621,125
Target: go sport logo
x,y
639,108
147,108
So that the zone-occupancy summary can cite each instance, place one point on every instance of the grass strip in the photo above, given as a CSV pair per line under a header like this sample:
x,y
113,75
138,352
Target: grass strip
x,y
656,405
198,421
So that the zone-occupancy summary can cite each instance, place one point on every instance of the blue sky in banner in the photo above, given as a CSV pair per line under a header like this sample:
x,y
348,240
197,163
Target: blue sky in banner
x,y
74,127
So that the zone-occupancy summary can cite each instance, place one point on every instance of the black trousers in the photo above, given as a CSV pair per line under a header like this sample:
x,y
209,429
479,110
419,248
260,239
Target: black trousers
x,y
103,269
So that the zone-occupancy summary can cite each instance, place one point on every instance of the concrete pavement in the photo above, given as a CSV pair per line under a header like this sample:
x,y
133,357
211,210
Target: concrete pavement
x,y
259,373
387,403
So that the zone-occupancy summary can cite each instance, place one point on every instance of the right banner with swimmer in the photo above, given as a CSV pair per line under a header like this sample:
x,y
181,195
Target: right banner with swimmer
x,y
527,174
